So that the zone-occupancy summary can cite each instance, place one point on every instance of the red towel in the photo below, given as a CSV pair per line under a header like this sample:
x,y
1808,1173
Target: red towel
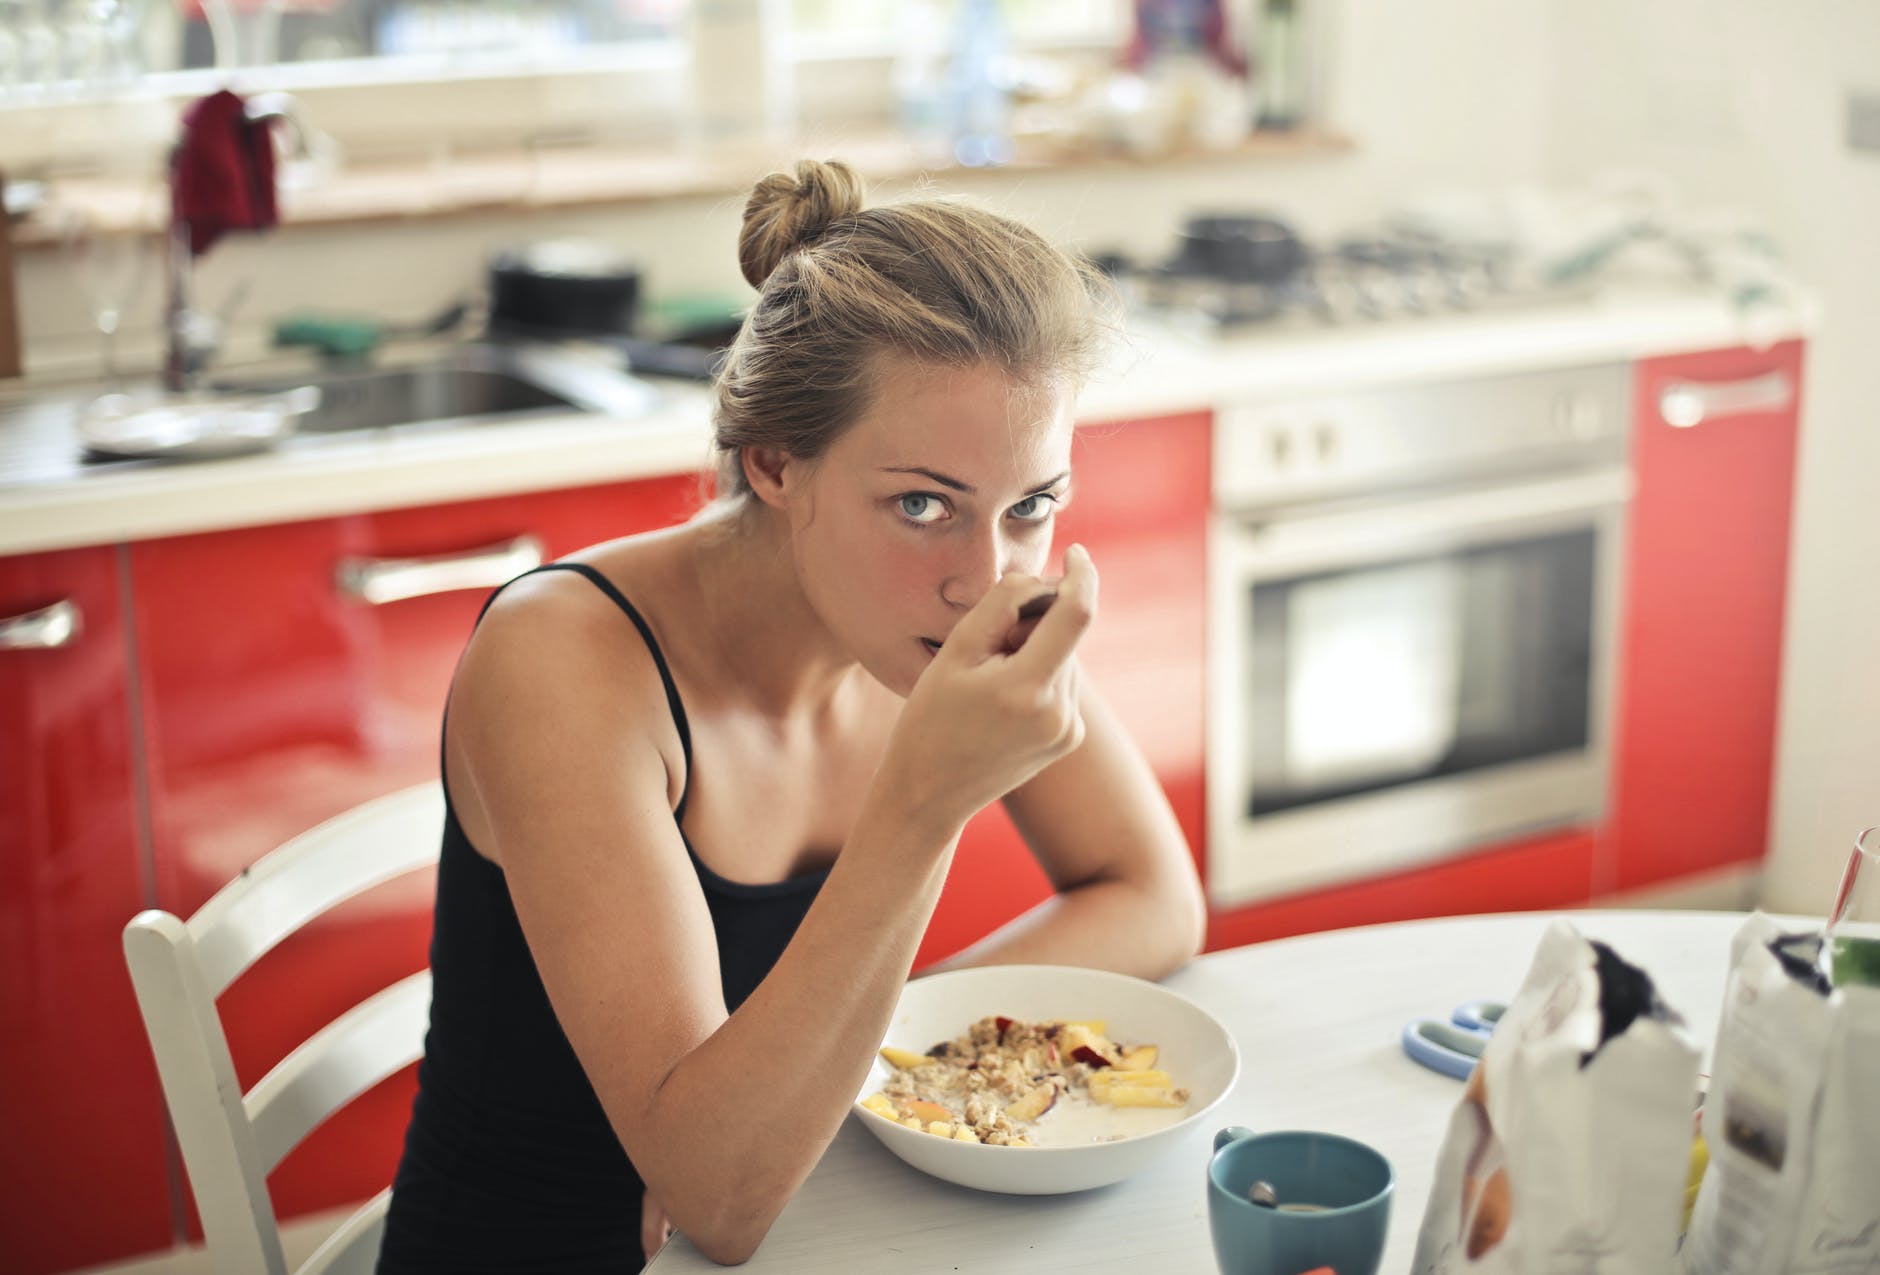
x,y
222,172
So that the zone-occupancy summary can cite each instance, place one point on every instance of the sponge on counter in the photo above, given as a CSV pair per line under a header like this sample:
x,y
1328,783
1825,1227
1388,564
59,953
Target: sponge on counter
x,y
332,336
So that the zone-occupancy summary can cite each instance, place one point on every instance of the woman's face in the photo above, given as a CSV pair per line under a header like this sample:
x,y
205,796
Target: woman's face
x,y
951,478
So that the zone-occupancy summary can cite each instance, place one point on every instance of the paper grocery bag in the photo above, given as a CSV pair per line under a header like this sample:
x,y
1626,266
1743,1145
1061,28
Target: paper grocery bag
x,y
1792,1119
1571,1146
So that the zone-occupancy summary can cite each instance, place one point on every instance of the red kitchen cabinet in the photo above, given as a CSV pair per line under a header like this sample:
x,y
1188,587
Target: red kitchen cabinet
x,y
82,1145
1707,567
274,699
1140,505
1542,873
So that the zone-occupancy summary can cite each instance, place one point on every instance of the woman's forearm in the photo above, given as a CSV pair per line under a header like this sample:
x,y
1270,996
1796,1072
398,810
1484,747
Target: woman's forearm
x,y
740,1121
1113,924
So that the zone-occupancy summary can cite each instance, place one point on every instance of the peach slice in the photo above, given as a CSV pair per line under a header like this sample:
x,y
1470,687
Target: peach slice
x,y
1115,1078
1145,1096
881,1105
905,1059
1080,1043
928,1112
1033,1104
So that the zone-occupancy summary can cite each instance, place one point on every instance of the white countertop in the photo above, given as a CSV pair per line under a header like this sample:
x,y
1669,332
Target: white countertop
x,y
1317,1019
49,499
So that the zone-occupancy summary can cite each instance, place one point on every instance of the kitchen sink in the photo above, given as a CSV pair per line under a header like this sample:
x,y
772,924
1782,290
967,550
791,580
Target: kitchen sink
x,y
471,383
378,400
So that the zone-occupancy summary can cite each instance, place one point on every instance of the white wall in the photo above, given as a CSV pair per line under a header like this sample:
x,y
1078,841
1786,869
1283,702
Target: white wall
x,y
1741,102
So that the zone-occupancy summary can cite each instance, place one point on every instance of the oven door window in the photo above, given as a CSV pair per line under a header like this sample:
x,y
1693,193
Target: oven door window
x,y
1370,678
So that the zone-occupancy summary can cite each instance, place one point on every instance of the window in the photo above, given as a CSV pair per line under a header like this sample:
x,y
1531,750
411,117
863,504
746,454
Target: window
x,y
466,73
1028,21
76,49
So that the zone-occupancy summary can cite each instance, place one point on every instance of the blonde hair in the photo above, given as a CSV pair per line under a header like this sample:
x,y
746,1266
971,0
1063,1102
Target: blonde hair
x,y
933,280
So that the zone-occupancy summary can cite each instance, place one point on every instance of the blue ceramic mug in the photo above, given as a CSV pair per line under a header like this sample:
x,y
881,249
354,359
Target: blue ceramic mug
x,y
1333,1203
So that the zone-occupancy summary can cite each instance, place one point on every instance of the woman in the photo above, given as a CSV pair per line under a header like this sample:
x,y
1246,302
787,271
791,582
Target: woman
x,y
705,784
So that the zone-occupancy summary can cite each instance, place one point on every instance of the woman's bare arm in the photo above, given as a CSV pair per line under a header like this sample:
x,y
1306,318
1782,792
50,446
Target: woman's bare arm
x,y
1127,894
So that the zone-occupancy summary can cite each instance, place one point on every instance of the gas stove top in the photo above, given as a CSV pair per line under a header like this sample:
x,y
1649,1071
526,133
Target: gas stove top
x,y
1350,281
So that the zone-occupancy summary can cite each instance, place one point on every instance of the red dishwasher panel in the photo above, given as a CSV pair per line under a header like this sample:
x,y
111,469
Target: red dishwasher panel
x,y
1706,582
82,1154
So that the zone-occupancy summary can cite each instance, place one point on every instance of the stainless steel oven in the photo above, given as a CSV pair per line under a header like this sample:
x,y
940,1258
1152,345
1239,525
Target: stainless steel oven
x,y
1413,603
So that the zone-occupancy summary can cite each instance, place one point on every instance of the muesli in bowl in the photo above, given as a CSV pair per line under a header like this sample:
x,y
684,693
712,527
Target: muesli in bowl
x,y
992,1083
1042,1079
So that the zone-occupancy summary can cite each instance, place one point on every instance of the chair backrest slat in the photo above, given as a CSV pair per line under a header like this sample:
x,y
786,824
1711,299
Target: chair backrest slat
x,y
316,871
199,1085
345,1058
354,1248
179,968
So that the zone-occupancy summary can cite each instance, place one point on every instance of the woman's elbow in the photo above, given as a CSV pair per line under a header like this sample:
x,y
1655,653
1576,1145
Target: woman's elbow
x,y
725,1232
1187,910
736,1254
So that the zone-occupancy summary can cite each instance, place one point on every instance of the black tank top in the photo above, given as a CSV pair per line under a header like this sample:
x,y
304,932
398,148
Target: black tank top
x,y
509,1162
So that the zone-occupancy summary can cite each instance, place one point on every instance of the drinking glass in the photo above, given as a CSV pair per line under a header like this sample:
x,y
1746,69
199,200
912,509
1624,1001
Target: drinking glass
x,y
1852,939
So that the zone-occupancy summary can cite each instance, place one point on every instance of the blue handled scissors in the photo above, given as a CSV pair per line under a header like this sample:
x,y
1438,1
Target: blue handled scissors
x,y
1453,1048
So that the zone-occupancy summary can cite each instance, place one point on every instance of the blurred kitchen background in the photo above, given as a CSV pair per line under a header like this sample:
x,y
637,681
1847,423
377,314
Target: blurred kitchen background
x,y
1321,214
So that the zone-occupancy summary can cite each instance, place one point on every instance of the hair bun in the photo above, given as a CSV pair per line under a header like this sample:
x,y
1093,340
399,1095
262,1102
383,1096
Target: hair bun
x,y
785,213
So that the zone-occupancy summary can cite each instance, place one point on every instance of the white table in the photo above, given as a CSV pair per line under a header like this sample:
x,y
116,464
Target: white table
x,y
1317,1019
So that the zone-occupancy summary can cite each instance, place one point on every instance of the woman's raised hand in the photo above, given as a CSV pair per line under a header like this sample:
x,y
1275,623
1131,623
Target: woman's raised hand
x,y
998,704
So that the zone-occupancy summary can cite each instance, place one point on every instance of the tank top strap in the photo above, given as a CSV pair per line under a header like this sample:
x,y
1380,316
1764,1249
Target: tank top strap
x,y
619,599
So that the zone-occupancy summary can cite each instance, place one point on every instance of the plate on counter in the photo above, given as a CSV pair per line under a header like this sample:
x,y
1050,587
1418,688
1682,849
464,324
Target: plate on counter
x,y
189,426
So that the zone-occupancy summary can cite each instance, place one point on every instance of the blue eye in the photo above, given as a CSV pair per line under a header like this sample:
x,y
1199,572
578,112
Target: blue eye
x,y
1034,508
918,506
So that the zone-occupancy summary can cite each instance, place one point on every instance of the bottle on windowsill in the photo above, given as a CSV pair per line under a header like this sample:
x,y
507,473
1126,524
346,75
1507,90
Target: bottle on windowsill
x,y
979,109
1282,71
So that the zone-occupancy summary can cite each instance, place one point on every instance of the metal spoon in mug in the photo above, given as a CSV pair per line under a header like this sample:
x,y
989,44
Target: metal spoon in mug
x,y
1263,1194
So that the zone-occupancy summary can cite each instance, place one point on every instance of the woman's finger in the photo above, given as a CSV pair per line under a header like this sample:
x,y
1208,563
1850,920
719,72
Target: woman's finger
x,y
982,631
1063,626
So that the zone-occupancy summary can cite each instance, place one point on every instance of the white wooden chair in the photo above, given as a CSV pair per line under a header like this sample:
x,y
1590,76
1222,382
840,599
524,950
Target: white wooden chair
x,y
231,1141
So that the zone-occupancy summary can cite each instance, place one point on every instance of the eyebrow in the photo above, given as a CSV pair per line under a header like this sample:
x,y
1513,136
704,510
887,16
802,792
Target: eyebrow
x,y
966,488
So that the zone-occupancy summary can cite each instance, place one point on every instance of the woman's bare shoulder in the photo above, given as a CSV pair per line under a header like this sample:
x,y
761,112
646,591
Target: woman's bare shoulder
x,y
565,612
555,664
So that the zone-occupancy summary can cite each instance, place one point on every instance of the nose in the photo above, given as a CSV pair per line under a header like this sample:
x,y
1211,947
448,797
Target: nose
x,y
979,561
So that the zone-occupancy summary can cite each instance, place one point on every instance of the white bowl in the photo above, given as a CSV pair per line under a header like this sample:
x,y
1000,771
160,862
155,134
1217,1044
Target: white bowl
x,y
1195,1050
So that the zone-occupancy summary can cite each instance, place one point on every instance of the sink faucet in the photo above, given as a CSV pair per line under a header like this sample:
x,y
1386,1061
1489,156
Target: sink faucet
x,y
192,336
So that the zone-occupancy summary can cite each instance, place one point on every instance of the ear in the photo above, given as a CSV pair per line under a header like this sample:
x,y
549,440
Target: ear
x,y
764,469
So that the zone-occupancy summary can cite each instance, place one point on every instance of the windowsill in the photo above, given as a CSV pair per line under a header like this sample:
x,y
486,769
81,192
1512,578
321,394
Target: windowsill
x,y
573,177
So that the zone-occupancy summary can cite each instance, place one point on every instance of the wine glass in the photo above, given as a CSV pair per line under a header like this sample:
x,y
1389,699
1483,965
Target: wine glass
x,y
1851,942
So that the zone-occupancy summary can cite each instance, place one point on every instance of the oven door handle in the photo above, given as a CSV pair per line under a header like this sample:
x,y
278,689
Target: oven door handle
x,y
1297,545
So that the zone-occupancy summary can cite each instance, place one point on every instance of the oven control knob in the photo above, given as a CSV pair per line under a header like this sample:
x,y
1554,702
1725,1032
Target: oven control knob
x,y
1280,442
1325,441
1577,416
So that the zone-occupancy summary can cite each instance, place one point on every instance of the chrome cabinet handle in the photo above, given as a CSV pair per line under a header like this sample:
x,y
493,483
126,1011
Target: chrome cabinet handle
x,y
1687,403
1283,549
376,581
46,629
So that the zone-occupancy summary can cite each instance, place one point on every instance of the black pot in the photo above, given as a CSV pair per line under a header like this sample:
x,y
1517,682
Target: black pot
x,y
563,289
1241,249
